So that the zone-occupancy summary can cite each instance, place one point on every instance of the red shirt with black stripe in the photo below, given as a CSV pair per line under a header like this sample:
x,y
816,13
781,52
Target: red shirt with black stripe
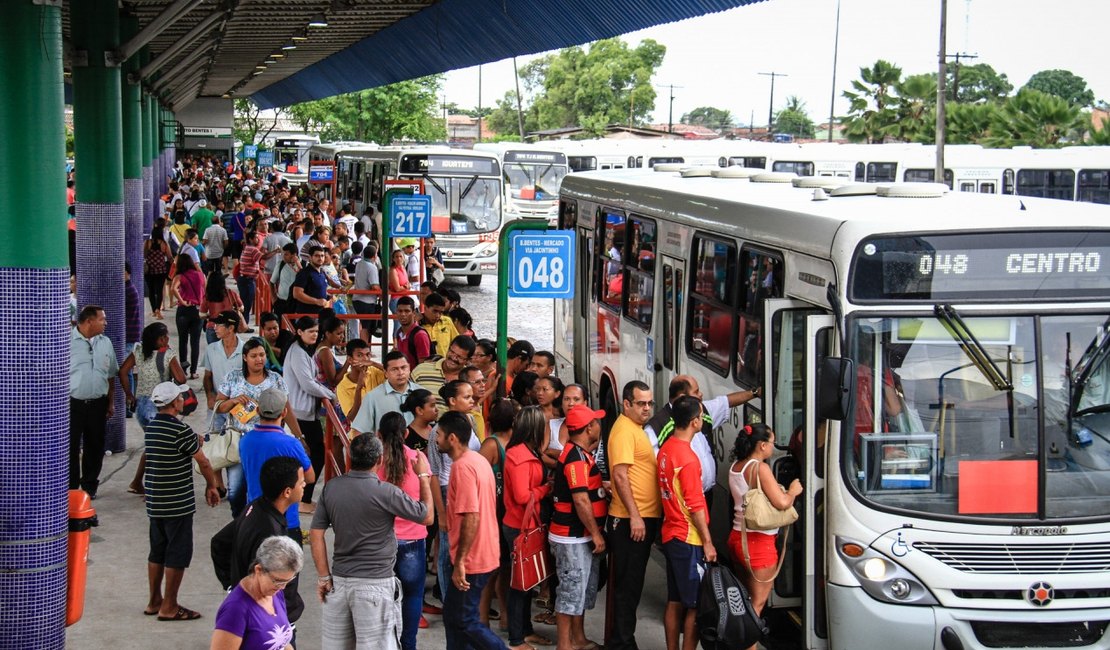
x,y
680,486
577,472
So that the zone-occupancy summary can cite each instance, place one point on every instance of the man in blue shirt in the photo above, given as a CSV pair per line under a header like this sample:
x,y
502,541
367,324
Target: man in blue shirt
x,y
267,440
92,368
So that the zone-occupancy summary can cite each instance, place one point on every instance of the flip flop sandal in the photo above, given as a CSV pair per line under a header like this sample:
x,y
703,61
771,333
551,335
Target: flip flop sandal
x,y
182,614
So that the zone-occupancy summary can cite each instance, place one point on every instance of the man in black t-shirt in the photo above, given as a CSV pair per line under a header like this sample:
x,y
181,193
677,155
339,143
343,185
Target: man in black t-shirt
x,y
310,289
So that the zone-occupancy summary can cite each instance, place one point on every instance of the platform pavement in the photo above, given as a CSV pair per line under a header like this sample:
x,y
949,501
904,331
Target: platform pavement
x,y
117,580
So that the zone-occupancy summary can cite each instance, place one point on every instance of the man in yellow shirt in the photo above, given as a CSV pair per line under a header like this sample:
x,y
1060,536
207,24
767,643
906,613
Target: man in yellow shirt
x,y
363,376
636,511
440,327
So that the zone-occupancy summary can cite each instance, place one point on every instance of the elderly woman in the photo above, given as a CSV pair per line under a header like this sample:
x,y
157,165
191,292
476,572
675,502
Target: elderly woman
x,y
253,614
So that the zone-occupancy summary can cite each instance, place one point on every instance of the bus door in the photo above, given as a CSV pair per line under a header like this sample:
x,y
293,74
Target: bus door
x,y
977,185
800,336
667,357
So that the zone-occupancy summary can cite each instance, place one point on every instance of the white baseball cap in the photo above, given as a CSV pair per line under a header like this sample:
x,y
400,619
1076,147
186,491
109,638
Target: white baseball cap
x,y
166,392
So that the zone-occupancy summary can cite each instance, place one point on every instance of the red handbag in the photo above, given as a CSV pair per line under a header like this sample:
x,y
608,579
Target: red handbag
x,y
530,562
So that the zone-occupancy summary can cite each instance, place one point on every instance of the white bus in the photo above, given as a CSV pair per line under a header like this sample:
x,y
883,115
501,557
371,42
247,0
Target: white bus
x,y
974,510
530,176
465,187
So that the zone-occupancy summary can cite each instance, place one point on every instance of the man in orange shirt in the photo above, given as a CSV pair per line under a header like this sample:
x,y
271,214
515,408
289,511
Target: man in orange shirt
x,y
473,533
686,541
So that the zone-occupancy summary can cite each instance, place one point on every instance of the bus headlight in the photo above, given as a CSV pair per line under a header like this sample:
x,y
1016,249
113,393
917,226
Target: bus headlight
x,y
882,578
489,250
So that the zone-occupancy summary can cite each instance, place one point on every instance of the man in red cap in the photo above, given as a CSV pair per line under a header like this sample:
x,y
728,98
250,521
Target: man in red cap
x,y
576,524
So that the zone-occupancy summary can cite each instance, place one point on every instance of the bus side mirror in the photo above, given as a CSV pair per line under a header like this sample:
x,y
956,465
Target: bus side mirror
x,y
835,388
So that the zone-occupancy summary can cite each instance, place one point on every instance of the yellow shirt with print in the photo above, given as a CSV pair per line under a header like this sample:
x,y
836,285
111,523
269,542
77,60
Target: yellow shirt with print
x,y
345,391
442,333
629,445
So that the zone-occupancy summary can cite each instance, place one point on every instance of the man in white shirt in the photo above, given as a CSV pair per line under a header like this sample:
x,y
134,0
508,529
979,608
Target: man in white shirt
x,y
215,244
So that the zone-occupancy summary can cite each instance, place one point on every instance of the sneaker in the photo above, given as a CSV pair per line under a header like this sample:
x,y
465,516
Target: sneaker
x,y
423,623
432,609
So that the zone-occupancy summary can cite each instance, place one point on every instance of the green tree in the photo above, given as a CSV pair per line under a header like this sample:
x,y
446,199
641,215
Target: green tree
x,y
977,83
794,120
1033,118
407,110
1099,136
251,125
709,117
873,106
503,119
1064,84
917,113
608,82
969,123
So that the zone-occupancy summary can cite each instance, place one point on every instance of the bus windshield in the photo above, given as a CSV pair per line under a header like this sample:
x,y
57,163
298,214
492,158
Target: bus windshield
x,y
533,182
464,205
952,439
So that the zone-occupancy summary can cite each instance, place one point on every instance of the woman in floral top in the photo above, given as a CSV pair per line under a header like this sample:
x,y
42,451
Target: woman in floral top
x,y
240,390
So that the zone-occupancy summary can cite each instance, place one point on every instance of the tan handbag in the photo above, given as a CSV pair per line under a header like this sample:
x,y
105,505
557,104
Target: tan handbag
x,y
759,513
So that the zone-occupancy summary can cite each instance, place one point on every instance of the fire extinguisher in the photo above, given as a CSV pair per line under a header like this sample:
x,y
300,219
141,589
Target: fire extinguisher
x,y
82,517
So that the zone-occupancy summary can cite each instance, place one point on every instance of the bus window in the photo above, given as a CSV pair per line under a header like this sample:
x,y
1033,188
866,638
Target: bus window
x,y
967,187
355,193
860,176
755,162
762,275
582,163
586,241
1008,181
883,172
788,369
1094,185
711,312
610,254
722,162
926,176
668,317
639,263
986,187
801,168
568,215
652,162
1046,183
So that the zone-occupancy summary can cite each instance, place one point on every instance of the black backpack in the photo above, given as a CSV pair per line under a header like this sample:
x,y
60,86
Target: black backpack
x,y
725,616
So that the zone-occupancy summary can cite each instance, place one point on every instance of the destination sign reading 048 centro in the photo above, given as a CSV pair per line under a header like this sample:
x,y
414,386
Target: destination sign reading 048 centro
x,y
1026,265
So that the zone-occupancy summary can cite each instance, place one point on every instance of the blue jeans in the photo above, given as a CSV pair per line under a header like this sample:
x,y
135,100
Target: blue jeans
x,y
236,489
443,557
460,616
145,410
246,293
410,570
520,602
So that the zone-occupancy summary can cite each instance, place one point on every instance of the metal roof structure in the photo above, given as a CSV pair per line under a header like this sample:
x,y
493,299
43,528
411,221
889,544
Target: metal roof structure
x,y
280,52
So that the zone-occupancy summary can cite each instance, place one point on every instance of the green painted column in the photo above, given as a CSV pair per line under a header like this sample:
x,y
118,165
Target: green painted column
x,y
34,272
98,128
135,203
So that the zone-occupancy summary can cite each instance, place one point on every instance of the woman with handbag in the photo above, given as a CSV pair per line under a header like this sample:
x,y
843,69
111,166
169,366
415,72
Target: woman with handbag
x,y
401,466
525,486
760,501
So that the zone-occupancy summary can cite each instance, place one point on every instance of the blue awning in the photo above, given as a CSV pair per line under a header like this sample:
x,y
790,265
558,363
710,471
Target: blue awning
x,y
455,34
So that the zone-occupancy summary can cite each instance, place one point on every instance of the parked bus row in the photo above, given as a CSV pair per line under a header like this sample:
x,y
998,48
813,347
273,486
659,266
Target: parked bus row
x,y
938,362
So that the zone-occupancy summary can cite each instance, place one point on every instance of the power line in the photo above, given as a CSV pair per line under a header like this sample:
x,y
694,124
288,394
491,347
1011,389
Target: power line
x,y
771,105
670,110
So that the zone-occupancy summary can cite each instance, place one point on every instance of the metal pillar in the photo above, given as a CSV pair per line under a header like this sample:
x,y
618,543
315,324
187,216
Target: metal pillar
x,y
98,126
34,330
133,197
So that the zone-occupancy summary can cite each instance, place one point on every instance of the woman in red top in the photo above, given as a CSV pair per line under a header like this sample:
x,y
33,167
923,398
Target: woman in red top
x,y
524,481
156,266
248,274
188,288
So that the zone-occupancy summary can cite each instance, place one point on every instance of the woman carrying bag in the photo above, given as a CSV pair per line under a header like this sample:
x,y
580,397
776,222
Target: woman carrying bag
x,y
757,559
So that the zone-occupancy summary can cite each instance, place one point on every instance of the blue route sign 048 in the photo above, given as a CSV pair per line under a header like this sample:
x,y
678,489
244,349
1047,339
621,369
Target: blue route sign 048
x,y
412,215
542,264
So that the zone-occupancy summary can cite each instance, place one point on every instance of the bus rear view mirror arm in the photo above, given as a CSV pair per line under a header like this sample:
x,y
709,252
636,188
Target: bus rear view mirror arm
x,y
835,388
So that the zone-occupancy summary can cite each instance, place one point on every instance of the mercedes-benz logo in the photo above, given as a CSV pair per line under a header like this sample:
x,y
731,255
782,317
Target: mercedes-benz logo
x,y
1040,594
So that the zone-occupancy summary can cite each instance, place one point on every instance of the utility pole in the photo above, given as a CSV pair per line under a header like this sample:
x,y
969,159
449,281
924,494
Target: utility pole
x,y
670,111
771,105
956,72
519,110
446,126
479,102
938,173
836,50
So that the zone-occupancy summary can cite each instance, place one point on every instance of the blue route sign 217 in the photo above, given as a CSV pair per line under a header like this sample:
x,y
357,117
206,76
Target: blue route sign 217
x,y
411,215
542,264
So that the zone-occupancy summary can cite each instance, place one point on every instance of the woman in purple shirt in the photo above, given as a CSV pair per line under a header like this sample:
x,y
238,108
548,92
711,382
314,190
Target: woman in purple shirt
x,y
188,288
252,617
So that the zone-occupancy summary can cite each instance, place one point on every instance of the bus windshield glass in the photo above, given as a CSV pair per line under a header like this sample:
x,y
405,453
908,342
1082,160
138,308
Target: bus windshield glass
x,y
951,441
533,182
464,205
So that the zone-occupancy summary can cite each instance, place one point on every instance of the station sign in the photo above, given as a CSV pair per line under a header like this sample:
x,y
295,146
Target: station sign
x,y
250,151
411,215
265,159
321,172
542,264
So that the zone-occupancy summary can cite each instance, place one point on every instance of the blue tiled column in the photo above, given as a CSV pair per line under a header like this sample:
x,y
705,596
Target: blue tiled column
x,y
98,144
34,331
133,203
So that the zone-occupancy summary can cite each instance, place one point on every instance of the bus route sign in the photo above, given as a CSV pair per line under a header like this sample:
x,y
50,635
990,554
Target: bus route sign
x,y
542,264
411,215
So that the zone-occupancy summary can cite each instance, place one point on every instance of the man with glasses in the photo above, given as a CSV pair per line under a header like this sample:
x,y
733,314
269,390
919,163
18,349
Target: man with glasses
x,y
636,512
432,375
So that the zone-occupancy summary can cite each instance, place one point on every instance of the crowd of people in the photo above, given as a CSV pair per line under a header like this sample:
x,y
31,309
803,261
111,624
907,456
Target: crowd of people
x,y
452,456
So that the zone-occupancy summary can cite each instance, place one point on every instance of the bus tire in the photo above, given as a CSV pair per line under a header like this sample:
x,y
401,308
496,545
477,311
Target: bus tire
x,y
474,280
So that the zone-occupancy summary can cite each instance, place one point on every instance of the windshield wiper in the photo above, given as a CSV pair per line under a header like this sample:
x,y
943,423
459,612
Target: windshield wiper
x,y
469,186
435,185
972,347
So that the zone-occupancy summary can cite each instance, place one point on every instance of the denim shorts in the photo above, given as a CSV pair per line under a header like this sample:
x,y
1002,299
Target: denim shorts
x,y
685,569
577,567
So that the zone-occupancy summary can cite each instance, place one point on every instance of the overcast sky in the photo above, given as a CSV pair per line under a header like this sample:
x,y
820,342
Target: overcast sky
x,y
716,59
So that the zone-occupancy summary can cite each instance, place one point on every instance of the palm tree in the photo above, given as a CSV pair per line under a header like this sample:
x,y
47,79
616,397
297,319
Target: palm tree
x,y
969,123
1036,119
872,113
916,109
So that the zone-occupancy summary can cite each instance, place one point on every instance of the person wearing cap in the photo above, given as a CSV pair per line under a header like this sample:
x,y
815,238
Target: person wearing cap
x,y
714,414
517,360
687,545
171,446
412,261
202,217
92,366
576,527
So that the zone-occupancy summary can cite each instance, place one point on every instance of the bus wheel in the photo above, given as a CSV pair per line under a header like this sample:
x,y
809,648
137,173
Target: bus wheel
x,y
474,280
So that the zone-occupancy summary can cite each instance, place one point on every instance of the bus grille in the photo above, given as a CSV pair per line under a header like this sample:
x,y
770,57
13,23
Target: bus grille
x,y
1018,594
1038,635
1090,557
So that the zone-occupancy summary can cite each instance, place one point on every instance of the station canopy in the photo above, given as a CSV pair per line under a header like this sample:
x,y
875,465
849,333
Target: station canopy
x,y
280,52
